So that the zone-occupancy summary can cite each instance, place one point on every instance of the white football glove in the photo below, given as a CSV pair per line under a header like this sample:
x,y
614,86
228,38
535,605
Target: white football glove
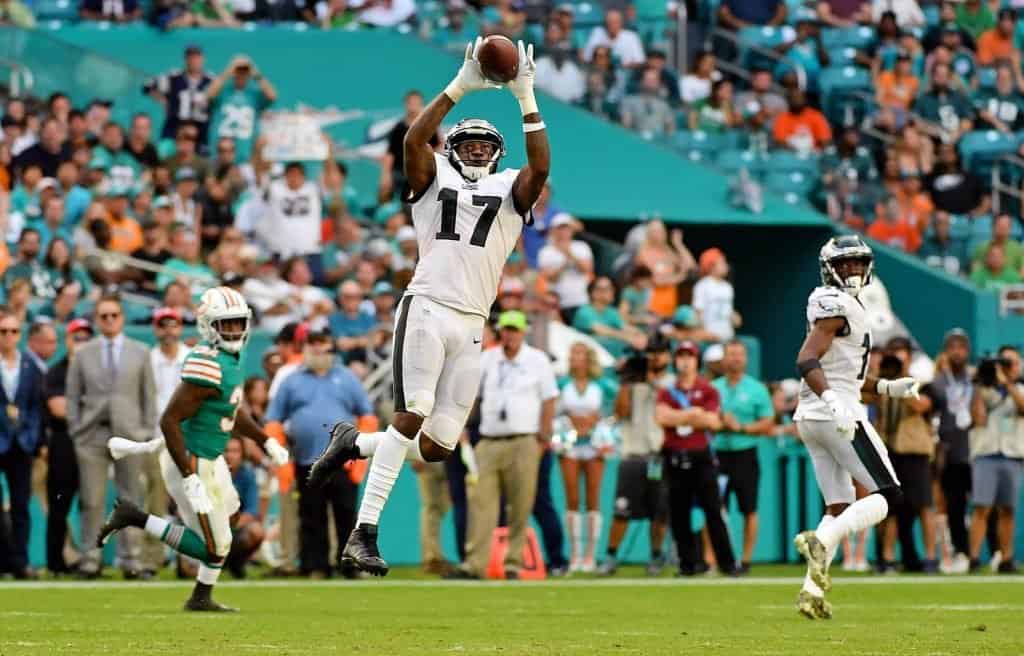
x,y
470,77
196,494
900,388
120,447
278,454
846,420
522,86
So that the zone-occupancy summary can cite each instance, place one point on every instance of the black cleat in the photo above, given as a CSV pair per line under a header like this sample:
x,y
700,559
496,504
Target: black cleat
x,y
207,605
124,514
340,450
361,551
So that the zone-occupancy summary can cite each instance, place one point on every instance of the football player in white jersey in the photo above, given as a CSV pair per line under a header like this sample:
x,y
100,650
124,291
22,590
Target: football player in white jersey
x,y
468,217
831,419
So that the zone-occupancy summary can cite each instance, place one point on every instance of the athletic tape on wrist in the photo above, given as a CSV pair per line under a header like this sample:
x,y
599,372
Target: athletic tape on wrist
x,y
528,104
533,127
454,91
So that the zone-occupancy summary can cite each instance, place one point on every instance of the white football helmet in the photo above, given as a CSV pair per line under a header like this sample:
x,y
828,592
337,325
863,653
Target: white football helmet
x,y
474,129
220,304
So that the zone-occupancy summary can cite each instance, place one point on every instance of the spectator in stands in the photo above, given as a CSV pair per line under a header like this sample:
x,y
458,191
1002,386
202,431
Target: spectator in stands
x,y
557,73
943,105
386,13
567,264
122,167
118,11
21,431
914,153
996,271
320,393
125,233
62,270
847,158
14,12
635,301
807,51
511,20
41,344
997,44
657,60
48,153
256,398
392,180
330,14
905,426
915,206
340,256
247,532
940,251
696,85
64,306
954,190
186,266
581,398
605,82
689,412
1002,229
454,32
747,416
182,95
734,15
624,43
153,250
1001,108
291,224
508,455
715,113
896,89
600,319
76,198
801,127
646,111
951,393
893,229
670,262
907,12
350,324
235,107
26,265
975,17
997,454
844,14
713,296
759,105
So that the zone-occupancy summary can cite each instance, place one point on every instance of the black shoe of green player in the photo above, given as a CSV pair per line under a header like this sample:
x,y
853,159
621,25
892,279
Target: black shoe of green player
x,y
361,551
202,601
340,450
124,514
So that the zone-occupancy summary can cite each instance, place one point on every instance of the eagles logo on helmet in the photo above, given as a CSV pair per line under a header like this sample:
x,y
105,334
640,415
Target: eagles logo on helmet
x,y
473,129
217,307
840,249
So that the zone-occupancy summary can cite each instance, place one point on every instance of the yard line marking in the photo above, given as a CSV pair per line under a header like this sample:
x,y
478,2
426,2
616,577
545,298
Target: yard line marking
x,y
549,583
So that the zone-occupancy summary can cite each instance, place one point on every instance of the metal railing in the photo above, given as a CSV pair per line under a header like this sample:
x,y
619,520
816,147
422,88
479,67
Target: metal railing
x,y
1000,187
736,68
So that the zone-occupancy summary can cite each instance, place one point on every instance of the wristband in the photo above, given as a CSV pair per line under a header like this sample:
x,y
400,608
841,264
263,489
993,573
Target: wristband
x,y
807,366
533,127
828,396
454,91
528,104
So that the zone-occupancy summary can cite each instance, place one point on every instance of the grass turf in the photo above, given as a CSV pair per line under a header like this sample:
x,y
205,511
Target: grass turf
x,y
887,616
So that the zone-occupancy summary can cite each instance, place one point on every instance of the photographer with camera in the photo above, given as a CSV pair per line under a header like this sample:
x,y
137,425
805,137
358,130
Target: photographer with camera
x,y
639,489
997,451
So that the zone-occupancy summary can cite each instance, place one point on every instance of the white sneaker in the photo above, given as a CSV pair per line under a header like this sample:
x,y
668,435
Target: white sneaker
x,y
575,565
588,566
961,564
997,559
849,566
862,566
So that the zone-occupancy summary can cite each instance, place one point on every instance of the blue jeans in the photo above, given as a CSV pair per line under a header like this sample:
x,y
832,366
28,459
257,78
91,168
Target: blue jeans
x,y
546,515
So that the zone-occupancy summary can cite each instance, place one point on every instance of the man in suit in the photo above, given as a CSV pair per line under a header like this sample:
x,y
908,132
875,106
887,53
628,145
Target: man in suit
x,y
21,425
110,391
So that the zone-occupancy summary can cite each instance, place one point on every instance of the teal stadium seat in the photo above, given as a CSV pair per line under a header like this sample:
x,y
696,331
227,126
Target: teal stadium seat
x,y
931,15
960,227
785,161
731,161
698,145
55,10
981,148
986,79
858,37
846,93
762,37
842,56
791,182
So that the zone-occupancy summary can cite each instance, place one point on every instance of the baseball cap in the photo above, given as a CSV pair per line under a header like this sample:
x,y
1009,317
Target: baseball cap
x,y
685,316
382,288
687,346
79,324
301,334
709,257
99,160
116,190
165,313
47,183
322,335
956,333
161,202
714,353
566,8
511,286
512,319
185,173
561,219
406,233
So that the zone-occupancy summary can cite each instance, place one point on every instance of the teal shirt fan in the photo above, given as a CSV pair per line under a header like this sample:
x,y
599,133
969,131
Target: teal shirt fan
x,y
236,114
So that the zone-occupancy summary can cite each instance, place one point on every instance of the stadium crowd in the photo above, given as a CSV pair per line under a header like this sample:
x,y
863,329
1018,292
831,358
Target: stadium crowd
x,y
112,232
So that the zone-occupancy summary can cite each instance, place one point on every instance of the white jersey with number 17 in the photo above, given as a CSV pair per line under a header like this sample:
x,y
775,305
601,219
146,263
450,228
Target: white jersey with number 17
x,y
845,363
465,231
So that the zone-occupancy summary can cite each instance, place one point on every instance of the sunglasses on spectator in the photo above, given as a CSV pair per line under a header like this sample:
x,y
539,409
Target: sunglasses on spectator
x,y
109,315
187,137
80,337
168,323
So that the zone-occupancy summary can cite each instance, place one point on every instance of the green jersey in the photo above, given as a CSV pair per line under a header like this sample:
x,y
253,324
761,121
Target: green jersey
x,y
207,432
124,170
236,113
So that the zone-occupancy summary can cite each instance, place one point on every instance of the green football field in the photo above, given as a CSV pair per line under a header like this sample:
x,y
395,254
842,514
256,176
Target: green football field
x,y
873,615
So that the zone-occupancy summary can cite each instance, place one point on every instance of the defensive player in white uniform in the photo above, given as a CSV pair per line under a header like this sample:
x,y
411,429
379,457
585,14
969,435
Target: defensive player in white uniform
x,y
831,419
468,217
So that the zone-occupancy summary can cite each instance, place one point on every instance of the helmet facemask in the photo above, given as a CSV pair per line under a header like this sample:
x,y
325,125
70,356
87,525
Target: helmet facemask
x,y
852,283
232,333
474,130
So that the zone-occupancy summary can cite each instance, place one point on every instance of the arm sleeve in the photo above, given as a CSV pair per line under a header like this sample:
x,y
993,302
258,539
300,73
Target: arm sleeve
x,y
201,370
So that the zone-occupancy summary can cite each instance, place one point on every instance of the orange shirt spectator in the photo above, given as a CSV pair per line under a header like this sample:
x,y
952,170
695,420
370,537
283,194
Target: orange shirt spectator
x,y
997,43
896,90
893,230
915,205
125,234
801,127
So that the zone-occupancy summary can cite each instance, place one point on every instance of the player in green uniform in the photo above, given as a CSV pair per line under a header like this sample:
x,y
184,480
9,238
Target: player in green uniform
x,y
202,414
235,106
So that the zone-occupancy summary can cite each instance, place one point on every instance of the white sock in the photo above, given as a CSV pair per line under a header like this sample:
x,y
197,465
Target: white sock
x,y
574,522
368,442
594,526
208,575
861,514
156,526
384,470
414,454
810,585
